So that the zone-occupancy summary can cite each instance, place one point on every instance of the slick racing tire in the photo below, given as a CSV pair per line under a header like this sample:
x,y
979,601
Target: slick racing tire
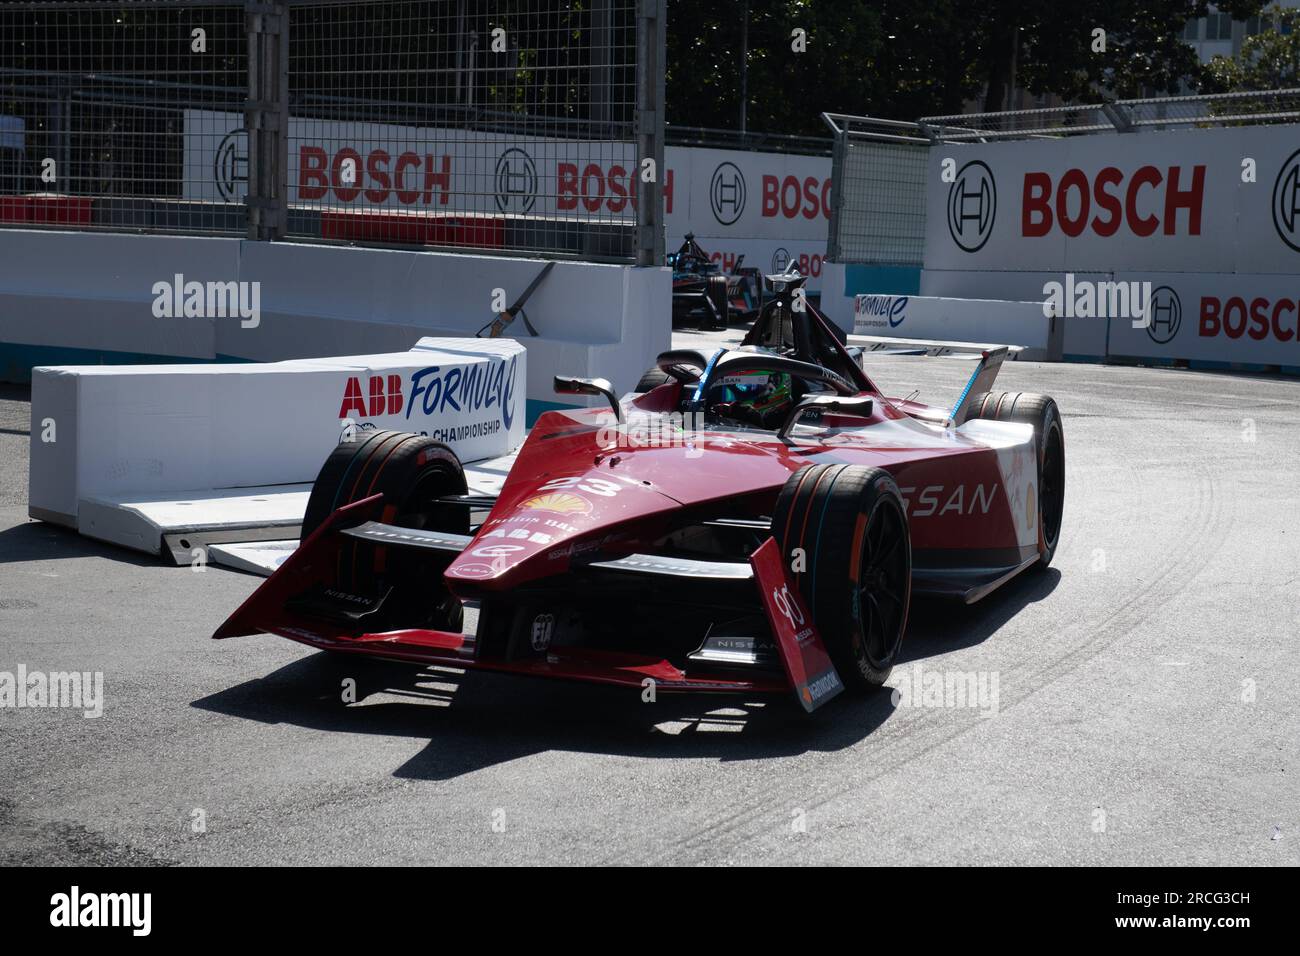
x,y
653,378
1040,412
717,293
855,568
411,472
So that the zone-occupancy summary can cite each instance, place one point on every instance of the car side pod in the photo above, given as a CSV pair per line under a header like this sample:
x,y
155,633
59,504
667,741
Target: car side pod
x,y
806,661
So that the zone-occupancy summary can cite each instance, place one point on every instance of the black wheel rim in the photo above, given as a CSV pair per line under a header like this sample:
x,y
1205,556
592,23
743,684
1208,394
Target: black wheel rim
x,y
1051,485
881,591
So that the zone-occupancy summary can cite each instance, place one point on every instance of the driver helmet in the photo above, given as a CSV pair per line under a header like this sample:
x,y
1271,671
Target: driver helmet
x,y
765,393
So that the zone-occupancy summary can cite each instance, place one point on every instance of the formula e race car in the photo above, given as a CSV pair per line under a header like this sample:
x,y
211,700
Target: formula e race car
x,y
705,296
757,520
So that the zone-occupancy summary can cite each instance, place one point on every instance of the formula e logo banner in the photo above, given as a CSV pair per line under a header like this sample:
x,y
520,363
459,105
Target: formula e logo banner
x,y
473,406
872,313
1168,201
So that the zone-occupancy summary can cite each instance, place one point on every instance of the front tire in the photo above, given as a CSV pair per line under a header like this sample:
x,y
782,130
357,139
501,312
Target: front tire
x,y
855,575
411,472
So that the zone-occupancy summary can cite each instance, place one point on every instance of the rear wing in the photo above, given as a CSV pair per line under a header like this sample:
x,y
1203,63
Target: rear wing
x,y
981,381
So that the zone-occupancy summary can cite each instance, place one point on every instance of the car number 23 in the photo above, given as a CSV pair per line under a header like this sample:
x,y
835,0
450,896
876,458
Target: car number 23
x,y
592,486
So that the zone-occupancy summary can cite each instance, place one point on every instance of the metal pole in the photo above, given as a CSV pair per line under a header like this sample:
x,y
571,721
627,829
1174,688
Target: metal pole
x,y
744,69
651,38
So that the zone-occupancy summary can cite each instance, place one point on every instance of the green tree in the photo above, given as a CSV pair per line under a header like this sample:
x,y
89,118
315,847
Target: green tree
x,y
902,59
1268,61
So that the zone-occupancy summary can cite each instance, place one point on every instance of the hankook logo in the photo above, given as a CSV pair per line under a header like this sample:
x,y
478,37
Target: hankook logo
x,y
1166,314
1286,201
727,193
972,206
516,181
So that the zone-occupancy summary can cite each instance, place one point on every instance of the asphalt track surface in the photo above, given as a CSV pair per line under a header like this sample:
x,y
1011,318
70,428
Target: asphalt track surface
x,y
1147,708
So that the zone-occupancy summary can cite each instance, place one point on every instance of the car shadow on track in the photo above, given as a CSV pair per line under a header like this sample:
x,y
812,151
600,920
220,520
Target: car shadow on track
x,y
479,720
938,626
42,541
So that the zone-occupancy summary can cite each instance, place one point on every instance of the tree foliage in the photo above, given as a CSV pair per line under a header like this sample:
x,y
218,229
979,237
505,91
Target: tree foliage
x,y
1268,61
901,59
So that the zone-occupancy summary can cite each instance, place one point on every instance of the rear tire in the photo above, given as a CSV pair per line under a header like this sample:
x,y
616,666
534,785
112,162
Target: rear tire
x,y
411,472
1041,412
856,580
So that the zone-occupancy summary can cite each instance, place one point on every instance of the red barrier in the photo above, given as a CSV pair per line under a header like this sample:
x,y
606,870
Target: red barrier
x,y
15,209
45,209
415,229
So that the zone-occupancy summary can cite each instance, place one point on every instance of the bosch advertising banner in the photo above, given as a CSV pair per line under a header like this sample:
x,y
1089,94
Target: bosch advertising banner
x,y
1214,318
771,208
768,208
1221,200
1210,217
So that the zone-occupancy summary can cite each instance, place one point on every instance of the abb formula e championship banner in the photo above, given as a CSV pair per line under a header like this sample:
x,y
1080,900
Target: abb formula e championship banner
x,y
769,208
1218,200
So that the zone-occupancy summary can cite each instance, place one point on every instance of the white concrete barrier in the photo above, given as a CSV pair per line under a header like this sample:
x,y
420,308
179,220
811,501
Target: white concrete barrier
x,y
81,297
124,453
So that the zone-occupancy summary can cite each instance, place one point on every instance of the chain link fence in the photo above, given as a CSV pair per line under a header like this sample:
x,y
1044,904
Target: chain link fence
x,y
878,209
878,202
1119,116
524,126
93,100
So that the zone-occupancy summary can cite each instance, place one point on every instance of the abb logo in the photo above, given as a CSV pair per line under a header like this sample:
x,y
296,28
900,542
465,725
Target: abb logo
x,y
1258,320
1116,201
385,397
791,197
595,186
410,176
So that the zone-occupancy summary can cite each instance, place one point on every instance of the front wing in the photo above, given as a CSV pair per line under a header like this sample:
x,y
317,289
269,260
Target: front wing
x,y
276,608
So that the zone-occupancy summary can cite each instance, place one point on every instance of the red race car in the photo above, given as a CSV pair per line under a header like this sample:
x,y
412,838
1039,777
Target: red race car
x,y
757,520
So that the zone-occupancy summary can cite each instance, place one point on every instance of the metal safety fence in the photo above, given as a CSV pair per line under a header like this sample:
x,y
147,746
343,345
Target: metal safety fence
x,y
878,210
878,201
519,126
1118,116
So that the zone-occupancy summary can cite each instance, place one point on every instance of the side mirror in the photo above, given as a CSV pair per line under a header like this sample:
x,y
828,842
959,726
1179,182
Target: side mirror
x,y
848,404
567,385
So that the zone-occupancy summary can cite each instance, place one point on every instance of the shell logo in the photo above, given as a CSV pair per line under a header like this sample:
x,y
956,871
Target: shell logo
x,y
560,502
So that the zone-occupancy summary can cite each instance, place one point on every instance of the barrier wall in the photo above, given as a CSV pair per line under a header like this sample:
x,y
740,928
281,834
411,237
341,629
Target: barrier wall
x,y
71,297
160,430
1210,217
772,208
